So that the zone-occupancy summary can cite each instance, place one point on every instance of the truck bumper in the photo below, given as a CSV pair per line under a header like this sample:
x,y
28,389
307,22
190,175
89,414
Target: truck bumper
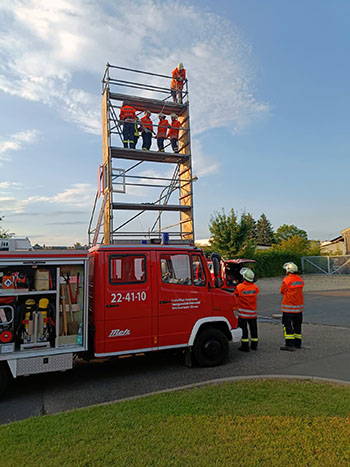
x,y
236,334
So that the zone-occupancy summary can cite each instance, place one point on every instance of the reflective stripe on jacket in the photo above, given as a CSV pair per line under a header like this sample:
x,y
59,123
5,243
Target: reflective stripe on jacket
x,y
127,113
292,291
174,129
247,293
146,122
179,77
162,128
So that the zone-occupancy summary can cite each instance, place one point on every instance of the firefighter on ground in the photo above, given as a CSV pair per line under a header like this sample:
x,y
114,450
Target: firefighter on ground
x,y
163,125
173,132
247,294
146,131
177,83
292,307
127,118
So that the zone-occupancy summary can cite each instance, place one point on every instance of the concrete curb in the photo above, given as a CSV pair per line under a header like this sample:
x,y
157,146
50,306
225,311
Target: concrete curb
x,y
213,382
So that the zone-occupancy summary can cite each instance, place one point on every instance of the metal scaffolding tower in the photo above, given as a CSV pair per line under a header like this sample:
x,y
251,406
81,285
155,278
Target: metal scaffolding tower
x,y
162,180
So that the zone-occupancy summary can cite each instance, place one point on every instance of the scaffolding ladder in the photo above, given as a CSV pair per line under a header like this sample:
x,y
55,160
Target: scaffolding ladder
x,y
128,174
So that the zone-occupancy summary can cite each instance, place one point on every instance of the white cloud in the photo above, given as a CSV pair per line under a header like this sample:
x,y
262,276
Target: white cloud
x,y
16,142
47,46
9,185
203,164
80,195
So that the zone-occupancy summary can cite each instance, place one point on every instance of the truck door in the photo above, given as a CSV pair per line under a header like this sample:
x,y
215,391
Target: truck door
x,y
128,310
182,295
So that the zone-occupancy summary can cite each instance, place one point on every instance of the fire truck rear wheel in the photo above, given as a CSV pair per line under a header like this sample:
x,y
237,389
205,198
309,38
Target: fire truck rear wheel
x,y
4,378
210,348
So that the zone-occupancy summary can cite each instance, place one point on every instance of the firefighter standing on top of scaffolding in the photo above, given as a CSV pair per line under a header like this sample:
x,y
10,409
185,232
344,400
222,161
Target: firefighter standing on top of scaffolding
x,y
128,119
146,131
173,133
177,83
163,125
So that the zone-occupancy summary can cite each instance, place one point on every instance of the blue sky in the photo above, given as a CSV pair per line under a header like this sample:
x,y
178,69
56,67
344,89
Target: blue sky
x,y
269,86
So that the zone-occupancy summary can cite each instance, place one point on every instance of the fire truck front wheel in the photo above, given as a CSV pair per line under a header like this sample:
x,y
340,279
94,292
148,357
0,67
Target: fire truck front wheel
x,y
4,378
210,348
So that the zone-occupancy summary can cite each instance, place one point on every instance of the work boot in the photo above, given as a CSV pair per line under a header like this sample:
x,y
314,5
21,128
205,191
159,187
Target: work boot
x,y
244,347
297,343
287,347
254,345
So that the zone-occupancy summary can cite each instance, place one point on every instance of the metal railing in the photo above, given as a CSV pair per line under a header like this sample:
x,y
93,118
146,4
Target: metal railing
x,y
152,90
329,265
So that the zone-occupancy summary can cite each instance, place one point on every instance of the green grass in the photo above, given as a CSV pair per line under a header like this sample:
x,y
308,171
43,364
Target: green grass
x,y
243,423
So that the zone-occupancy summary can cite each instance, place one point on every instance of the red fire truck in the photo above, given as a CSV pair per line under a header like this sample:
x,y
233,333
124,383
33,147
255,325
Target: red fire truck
x,y
110,301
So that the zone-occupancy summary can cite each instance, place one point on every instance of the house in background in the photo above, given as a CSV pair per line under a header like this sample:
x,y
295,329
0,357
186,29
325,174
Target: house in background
x,y
202,242
337,246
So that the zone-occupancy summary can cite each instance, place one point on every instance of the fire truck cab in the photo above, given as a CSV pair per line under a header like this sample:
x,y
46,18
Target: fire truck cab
x,y
155,297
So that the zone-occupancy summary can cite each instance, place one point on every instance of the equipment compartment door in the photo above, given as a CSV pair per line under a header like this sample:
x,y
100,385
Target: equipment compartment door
x,y
183,296
128,311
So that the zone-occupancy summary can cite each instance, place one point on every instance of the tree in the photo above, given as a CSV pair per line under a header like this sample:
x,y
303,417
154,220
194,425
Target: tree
x,y
228,234
264,230
5,233
252,230
223,229
79,246
294,244
284,232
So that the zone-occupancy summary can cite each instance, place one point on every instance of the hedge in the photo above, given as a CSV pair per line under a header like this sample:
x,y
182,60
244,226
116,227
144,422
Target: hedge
x,y
270,263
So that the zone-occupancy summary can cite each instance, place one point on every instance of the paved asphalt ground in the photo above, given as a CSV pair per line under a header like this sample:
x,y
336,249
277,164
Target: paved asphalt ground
x,y
325,354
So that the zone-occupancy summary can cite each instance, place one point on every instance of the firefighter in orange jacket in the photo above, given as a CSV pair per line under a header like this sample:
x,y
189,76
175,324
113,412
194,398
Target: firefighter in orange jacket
x,y
146,131
177,83
247,294
128,119
292,307
163,125
173,133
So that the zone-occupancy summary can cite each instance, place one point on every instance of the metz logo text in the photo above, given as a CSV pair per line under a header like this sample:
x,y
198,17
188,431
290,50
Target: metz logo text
x,y
119,332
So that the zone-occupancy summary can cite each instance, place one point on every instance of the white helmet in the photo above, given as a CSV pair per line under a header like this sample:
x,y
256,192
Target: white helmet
x,y
247,274
161,115
173,115
148,112
290,267
180,66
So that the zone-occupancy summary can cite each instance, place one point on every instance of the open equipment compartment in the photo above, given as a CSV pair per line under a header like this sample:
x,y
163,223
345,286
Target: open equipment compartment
x,y
43,303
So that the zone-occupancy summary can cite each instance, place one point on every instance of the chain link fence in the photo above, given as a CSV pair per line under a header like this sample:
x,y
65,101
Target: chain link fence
x,y
326,264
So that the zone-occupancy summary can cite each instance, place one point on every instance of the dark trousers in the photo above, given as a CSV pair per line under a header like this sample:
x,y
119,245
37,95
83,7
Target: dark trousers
x,y
292,328
175,144
243,323
160,142
128,134
146,140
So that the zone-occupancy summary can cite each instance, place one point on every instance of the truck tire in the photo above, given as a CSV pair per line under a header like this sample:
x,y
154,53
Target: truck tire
x,y
4,378
210,347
